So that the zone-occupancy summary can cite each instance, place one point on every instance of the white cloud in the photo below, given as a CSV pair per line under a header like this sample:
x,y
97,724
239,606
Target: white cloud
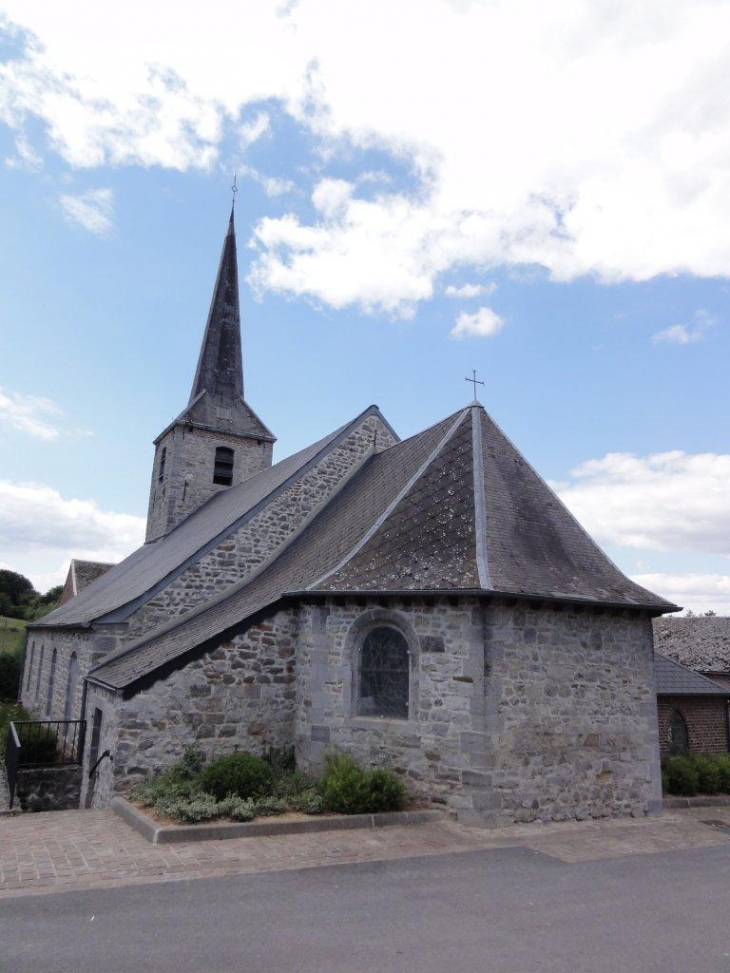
x,y
470,290
484,323
30,414
665,502
91,210
697,592
681,334
272,185
251,132
36,521
605,153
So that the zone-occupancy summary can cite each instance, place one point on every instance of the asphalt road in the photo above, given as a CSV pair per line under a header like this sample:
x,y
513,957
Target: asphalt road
x,y
508,910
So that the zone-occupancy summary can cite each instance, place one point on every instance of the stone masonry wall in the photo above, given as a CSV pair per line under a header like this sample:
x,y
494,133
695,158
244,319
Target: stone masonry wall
x,y
516,713
188,479
88,646
48,788
239,696
706,718
263,534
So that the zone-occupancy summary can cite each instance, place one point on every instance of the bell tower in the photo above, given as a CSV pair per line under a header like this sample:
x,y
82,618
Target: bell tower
x,y
218,440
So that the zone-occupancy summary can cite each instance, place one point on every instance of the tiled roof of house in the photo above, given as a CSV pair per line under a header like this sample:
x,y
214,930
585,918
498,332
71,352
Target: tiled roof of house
x,y
128,584
453,509
672,679
80,575
701,643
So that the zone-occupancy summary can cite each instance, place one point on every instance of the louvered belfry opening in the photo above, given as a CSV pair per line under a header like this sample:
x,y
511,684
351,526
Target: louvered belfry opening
x,y
223,468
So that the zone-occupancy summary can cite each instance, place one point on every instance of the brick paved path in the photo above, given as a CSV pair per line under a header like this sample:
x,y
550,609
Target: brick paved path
x,y
67,850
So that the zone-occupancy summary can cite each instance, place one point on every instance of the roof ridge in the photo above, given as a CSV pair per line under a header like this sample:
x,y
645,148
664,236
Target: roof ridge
x,y
396,501
480,502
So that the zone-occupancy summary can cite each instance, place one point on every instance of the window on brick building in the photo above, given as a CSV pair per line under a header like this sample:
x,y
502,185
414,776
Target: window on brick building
x,y
678,734
163,460
223,469
383,675
38,677
30,666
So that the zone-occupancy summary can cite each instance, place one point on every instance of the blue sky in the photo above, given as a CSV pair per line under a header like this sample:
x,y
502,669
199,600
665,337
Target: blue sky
x,y
424,188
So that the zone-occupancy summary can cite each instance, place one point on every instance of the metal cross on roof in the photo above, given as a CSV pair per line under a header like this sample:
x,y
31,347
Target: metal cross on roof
x,y
475,381
234,190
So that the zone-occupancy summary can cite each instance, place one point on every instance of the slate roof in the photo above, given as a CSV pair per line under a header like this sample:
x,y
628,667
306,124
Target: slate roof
x,y
701,643
134,580
672,679
216,399
455,508
80,575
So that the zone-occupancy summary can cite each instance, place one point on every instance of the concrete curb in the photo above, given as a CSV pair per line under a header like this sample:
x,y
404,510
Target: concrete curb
x,y
158,834
702,800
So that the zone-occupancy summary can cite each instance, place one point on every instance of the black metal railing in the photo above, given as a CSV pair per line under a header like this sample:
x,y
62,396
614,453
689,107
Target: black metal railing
x,y
42,743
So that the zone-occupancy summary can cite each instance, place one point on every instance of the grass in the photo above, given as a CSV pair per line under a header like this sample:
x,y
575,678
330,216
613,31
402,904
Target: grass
x,y
12,633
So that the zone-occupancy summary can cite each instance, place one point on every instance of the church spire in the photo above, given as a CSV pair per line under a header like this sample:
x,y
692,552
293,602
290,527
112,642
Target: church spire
x,y
220,366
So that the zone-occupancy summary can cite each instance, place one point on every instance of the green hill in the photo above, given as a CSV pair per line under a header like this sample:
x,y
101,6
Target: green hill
x,y
12,632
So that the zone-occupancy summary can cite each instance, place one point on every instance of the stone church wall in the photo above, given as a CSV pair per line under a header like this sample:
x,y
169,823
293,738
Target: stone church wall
x,y
256,541
37,669
516,713
239,696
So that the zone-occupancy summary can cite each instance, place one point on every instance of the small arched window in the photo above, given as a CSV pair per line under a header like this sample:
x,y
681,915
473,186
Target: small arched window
x,y
678,734
223,469
30,666
163,460
51,682
73,675
38,676
383,676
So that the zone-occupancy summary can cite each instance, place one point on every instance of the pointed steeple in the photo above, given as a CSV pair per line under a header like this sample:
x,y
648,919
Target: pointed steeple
x,y
220,366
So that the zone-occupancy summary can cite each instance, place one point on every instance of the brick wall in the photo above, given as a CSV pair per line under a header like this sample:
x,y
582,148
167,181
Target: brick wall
x,y
706,719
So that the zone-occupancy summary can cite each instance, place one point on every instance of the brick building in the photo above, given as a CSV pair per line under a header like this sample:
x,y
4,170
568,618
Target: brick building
x,y
694,712
427,603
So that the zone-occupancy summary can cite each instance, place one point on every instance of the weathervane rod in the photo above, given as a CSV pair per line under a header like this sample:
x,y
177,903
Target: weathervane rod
x,y
234,190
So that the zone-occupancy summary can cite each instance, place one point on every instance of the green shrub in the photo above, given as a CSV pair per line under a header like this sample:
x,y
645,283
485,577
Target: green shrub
x,y
307,802
241,773
237,808
192,810
266,807
10,672
708,774
346,787
682,776
384,791
182,782
723,773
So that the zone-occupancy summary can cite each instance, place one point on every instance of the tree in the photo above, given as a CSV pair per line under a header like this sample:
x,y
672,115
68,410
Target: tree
x,y
17,587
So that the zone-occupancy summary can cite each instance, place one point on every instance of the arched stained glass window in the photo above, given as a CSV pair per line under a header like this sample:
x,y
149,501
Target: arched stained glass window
x,y
678,734
30,666
383,676
223,469
38,677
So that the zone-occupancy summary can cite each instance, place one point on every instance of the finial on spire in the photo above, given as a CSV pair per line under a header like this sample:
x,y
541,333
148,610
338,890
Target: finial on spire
x,y
475,381
234,190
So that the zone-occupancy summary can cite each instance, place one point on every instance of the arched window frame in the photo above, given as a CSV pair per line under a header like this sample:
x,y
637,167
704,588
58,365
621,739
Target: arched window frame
x,y
223,466
356,637
39,676
51,682
71,684
678,733
163,460
31,659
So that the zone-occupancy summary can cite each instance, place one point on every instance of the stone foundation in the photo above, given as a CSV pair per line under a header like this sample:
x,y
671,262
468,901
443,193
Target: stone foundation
x,y
48,788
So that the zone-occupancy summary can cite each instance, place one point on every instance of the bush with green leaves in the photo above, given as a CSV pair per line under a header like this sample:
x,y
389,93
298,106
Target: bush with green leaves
x,y
347,787
696,773
11,666
182,782
307,802
190,810
240,773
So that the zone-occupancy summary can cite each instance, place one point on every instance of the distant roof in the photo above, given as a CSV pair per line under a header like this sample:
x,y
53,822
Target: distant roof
x,y
672,679
455,508
80,575
700,642
128,584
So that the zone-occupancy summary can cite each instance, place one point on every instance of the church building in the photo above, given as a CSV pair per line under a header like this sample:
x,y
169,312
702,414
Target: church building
x,y
427,604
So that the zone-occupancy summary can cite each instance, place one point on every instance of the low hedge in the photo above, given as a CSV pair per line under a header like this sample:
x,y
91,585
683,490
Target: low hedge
x,y
348,788
696,773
